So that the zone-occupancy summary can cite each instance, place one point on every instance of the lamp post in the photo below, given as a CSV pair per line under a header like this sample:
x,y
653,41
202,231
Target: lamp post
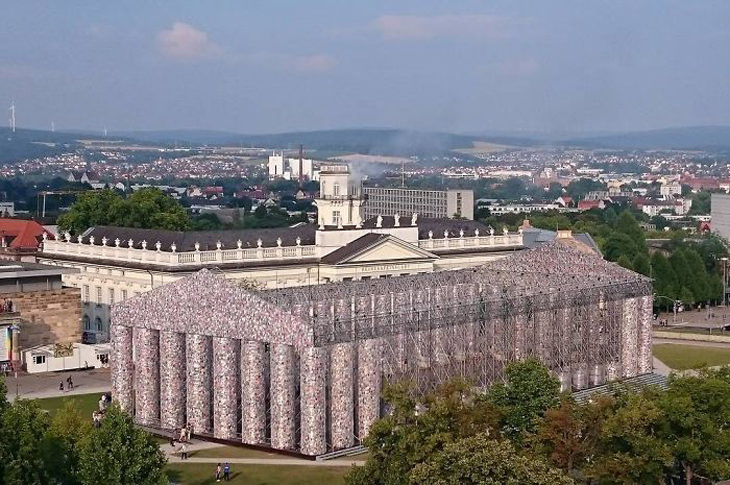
x,y
724,281
675,307
14,342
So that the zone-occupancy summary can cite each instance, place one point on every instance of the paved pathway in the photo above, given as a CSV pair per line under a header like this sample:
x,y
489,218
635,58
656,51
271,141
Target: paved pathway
x,y
35,386
661,368
694,343
268,461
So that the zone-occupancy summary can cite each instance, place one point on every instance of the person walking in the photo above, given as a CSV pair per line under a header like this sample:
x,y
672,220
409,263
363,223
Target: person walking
x,y
218,473
184,452
70,383
60,386
226,471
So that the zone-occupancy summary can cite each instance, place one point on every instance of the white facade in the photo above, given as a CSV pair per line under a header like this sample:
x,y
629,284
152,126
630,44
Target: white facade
x,y
288,168
44,358
670,189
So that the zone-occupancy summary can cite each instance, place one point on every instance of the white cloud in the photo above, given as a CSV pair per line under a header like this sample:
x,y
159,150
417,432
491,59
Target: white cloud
x,y
313,63
473,26
185,42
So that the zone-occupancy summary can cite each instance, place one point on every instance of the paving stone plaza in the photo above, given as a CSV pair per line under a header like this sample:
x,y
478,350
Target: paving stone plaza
x,y
302,369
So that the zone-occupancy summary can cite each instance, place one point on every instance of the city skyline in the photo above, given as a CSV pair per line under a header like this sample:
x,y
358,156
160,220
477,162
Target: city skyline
x,y
267,68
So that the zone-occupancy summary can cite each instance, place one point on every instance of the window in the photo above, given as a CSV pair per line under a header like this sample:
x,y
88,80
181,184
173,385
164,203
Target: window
x,y
365,278
39,359
85,295
87,322
97,323
98,295
346,279
124,295
336,218
111,296
336,189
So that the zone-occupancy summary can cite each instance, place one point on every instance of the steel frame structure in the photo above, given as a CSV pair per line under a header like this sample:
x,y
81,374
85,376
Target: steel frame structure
x,y
302,368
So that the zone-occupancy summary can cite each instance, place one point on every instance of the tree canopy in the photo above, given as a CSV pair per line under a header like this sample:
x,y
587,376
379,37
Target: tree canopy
x,y
147,208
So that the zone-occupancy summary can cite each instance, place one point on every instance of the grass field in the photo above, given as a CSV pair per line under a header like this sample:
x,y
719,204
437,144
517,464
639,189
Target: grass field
x,y
87,403
204,473
682,357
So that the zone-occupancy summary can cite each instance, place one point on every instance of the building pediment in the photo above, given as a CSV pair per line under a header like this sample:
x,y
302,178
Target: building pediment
x,y
379,248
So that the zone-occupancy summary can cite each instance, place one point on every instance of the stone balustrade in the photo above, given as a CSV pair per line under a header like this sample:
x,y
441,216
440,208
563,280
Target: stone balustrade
x,y
151,255
465,242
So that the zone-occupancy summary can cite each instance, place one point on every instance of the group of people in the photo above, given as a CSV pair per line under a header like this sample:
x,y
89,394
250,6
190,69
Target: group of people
x,y
184,438
69,384
224,472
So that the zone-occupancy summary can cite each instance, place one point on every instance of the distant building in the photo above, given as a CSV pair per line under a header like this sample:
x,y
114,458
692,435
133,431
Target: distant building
x,y
7,209
521,208
290,168
36,308
85,177
20,239
383,201
720,212
670,189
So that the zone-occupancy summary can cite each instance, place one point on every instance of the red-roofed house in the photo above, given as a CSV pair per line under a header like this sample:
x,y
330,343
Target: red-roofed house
x,y
586,204
19,239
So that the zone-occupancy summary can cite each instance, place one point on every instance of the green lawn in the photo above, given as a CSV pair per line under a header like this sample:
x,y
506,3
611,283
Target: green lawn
x,y
682,357
234,452
87,403
204,473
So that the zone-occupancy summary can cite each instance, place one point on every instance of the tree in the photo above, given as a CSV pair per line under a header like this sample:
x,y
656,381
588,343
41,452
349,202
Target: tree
x,y
119,453
699,282
527,392
150,208
92,208
641,264
413,431
63,440
628,450
697,410
626,224
665,279
481,460
619,244
22,438
625,262
146,208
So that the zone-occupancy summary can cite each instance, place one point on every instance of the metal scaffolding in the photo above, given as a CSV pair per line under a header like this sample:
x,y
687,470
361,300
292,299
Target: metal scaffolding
x,y
303,368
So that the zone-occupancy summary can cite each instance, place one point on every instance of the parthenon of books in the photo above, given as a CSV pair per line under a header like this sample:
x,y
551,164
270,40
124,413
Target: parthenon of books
x,y
302,368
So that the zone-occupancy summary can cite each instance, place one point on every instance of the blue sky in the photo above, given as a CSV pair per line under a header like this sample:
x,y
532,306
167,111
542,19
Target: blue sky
x,y
459,66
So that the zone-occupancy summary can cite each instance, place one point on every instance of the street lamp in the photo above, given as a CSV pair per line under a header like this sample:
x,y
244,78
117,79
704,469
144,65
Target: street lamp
x,y
724,281
675,306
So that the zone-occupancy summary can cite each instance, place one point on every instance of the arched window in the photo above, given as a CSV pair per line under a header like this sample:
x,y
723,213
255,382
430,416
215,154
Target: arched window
x,y
87,322
97,323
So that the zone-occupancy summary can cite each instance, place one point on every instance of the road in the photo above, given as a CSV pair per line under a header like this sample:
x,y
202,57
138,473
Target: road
x,y
38,386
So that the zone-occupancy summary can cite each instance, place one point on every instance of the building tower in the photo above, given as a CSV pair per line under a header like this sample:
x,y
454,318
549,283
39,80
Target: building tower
x,y
340,201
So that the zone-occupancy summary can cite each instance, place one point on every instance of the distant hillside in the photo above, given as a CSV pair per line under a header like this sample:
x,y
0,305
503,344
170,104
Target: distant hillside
x,y
33,143
710,138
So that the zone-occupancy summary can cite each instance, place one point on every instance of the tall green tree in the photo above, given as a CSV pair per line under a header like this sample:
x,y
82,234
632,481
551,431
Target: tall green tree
x,y
625,262
415,430
67,430
699,284
22,439
527,392
641,264
626,224
666,282
697,411
481,460
628,450
147,208
619,244
119,453
681,269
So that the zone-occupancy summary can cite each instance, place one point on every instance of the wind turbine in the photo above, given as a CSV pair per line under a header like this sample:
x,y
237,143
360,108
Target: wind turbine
x,y
12,115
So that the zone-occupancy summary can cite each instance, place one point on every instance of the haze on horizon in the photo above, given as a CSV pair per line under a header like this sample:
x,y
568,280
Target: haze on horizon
x,y
467,66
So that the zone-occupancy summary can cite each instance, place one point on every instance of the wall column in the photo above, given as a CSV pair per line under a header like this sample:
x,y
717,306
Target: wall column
x,y
646,362
253,392
199,355
368,384
122,367
342,405
312,401
147,376
283,395
172,380
629,338
225,398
